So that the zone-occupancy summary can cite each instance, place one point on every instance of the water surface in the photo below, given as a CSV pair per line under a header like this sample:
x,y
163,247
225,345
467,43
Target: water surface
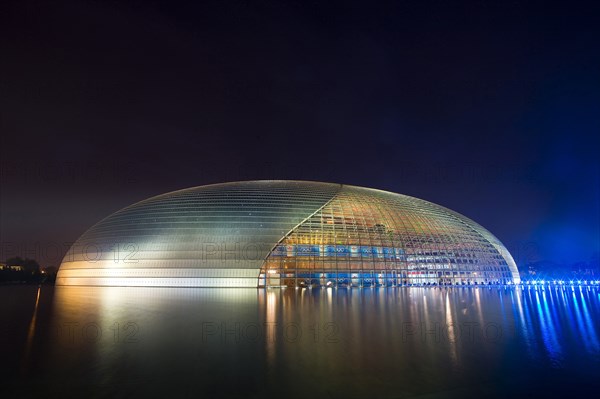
x,y
346,343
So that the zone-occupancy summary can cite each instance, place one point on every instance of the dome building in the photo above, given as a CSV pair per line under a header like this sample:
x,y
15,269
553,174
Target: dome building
x,y
285,233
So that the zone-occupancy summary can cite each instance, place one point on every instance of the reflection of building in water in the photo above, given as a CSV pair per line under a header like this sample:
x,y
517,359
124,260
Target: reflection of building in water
x,y
286,233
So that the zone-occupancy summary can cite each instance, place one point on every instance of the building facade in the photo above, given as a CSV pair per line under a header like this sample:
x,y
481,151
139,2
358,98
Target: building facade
x,y
286,233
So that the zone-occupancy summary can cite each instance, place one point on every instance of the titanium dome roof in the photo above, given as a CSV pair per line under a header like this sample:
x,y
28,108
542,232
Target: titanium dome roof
x,y
285,233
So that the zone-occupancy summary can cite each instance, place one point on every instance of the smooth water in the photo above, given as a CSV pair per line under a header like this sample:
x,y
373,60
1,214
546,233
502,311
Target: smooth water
x,y
334,343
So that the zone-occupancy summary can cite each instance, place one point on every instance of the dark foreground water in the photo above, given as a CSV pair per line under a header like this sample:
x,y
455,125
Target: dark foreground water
x,y
344,343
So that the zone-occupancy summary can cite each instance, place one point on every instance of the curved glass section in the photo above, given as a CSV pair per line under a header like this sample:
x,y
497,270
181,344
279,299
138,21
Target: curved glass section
x,y
209,236
366,237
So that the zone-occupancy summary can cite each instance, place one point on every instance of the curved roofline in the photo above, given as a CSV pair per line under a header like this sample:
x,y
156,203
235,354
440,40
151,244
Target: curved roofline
x,y
342,185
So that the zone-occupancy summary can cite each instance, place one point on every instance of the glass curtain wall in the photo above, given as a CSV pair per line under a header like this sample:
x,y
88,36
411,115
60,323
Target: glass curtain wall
x,y
365,238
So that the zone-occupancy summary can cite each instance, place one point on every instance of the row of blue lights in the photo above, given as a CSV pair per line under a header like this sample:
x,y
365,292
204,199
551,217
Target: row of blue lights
x,y
528,283
560,282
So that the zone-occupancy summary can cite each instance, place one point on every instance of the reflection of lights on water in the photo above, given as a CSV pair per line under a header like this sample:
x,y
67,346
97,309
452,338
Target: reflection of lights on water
x,y
271,305
451,331
31,332
547,323
584,323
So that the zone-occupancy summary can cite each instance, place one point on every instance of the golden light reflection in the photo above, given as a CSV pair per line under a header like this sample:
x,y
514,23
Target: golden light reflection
x,y
30,334
452,338
271,326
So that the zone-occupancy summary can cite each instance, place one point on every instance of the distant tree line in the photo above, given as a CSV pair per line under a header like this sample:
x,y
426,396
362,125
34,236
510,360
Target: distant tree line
x,y
18,270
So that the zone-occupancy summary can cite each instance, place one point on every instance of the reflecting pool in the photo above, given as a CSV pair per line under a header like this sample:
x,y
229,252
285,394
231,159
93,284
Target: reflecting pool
x,y
327,342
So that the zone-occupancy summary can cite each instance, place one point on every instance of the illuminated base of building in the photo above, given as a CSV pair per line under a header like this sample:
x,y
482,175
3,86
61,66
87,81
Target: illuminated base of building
x,y
154,277
191,277
369,279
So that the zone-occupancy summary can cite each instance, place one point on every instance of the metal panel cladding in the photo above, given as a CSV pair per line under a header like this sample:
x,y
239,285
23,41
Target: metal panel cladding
x,y
208,236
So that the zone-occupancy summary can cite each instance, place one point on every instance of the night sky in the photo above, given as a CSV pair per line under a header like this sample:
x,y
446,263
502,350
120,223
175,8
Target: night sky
x,y
490,108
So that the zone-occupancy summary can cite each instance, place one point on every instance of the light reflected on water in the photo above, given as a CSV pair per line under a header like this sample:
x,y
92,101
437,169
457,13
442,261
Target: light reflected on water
x,y
583,321
30,333
547,326
330,342
450,325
